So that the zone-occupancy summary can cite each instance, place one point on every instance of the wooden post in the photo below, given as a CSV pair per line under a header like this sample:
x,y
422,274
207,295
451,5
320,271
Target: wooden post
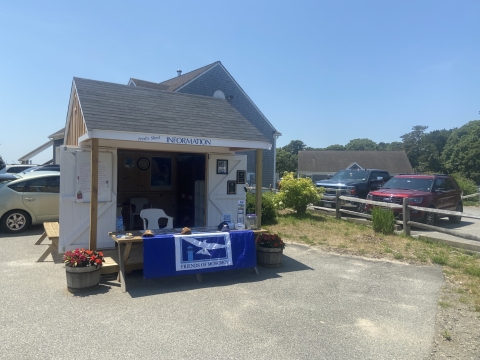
x,y
338,214
406,217
258,186
94,195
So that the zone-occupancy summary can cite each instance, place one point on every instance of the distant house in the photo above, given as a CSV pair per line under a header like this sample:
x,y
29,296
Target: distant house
x,y
55,140
214,80
319,165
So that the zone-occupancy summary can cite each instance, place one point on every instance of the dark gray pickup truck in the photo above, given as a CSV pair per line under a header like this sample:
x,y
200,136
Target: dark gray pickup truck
x,y
353,183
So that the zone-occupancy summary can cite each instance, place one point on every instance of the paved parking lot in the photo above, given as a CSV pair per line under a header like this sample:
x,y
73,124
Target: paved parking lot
x,y
317,306
467,226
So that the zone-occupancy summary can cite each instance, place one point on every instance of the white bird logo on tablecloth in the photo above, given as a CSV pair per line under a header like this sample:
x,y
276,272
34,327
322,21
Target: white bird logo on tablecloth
x,y
203,245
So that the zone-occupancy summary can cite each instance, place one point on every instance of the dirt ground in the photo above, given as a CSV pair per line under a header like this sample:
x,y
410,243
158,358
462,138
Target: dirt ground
x,y
457,327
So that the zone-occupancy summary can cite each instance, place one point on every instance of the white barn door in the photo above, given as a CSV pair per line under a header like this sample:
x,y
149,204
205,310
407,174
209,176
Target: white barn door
x,y
219,201
74,216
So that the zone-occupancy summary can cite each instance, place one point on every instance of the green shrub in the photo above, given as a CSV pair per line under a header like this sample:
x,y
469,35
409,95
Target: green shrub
x,y
383,220
468,187
297,194
269,212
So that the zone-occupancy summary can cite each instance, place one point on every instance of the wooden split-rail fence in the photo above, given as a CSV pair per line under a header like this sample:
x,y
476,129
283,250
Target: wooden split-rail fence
x,y
406,208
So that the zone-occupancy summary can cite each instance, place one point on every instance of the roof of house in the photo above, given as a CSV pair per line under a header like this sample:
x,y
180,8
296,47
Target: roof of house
x,y
148,84
178,81
116,107
333,161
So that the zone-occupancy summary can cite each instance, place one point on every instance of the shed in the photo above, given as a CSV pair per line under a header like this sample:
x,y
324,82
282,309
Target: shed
x,y
178,151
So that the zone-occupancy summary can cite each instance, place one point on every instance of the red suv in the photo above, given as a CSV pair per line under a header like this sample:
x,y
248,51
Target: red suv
x,y
431,191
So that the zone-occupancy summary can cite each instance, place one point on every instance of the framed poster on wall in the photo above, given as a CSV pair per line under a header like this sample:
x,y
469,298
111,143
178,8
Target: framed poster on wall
x,y
83,176
231,187
222,166
241,175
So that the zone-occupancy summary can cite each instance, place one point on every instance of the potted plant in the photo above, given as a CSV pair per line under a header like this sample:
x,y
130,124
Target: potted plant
x,y
270,250
83,269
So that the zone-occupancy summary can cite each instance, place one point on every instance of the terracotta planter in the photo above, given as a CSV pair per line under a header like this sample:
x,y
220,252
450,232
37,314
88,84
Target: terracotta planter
x,y
82,278
269,257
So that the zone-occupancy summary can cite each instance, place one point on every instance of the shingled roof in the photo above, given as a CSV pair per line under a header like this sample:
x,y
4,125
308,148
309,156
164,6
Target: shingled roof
x,y
394,162
148,84
178,81
116,107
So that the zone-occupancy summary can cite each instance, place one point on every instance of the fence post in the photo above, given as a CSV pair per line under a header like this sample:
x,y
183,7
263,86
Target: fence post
x,y
406,217
338,214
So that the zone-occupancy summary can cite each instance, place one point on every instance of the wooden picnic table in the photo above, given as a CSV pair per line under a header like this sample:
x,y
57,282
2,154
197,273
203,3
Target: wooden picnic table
x,y
52,232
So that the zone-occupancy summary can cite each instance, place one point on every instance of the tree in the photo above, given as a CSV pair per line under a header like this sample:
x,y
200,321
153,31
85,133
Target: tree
x,y
462,151
395,146
412,143
335,147
286,162
295,146
381,146
361,144
432,145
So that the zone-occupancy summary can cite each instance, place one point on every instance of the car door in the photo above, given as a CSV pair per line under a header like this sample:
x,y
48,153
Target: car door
x,y
442,197
450,195
41,197
374,180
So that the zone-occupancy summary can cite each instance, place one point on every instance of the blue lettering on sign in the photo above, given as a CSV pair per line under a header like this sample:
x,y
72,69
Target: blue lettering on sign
x,y
149,138
180,140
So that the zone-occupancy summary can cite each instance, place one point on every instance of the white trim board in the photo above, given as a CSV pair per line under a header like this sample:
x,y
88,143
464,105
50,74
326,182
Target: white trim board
x,y
173,140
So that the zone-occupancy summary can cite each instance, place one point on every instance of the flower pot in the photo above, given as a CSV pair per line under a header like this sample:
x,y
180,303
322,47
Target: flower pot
x,y
269,257
82,278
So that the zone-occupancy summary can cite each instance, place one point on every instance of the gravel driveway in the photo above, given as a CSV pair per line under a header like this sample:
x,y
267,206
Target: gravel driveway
x,y
316,306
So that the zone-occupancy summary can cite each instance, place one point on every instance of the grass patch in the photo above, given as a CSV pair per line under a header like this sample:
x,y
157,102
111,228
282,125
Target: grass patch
x,y
446,335
318,229
444,304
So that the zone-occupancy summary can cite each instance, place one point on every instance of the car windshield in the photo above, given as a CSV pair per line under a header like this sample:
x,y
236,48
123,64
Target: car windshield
x,y
350,175
409,184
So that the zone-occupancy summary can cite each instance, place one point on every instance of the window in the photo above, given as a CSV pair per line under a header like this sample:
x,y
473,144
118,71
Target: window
x,y
18,169
18,187
448,185
50,184
439,184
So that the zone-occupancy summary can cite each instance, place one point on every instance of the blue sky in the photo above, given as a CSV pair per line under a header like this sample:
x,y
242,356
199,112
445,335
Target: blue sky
x,y
324,72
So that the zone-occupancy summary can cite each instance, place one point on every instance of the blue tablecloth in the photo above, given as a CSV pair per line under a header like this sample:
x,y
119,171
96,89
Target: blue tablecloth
x,y
169,255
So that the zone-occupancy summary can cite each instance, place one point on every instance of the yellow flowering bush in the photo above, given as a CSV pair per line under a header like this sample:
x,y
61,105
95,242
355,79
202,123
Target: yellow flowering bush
x,y
297,193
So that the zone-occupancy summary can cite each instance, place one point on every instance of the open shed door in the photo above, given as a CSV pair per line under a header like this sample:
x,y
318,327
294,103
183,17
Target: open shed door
x,y
221,200
74,216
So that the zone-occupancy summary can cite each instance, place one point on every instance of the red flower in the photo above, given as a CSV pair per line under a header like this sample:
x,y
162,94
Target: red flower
x,y
83,258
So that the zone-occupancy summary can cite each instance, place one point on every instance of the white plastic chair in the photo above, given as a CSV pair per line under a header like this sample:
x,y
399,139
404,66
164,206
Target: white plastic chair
x,y
139,204
151,216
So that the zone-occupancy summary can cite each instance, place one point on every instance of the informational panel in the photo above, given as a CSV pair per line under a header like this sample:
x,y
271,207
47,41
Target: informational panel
x,y
83,176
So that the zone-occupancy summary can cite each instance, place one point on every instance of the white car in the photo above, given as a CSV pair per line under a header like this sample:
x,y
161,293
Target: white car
x,y
31,199
15,168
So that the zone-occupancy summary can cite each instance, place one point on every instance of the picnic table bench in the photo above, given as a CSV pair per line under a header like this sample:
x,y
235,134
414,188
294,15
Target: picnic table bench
x,y
52,232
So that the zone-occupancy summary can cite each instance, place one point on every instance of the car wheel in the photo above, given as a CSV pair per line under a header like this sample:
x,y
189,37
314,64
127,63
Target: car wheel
x,y
15,221
456,219
430,218
361,208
